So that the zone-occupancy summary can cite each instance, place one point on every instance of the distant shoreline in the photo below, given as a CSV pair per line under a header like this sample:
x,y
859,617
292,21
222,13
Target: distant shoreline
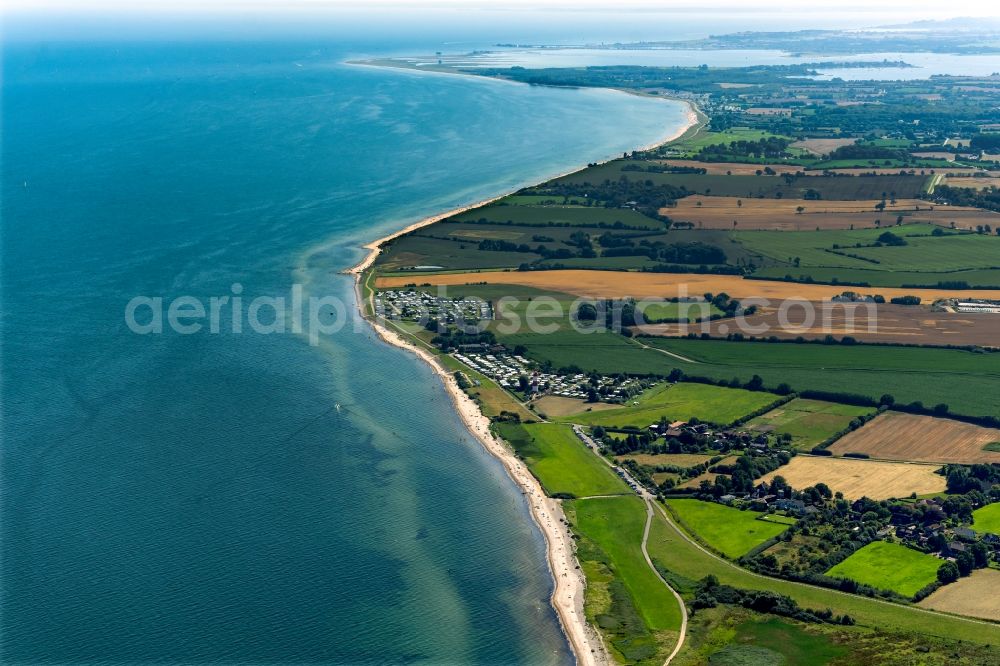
x,y
569,583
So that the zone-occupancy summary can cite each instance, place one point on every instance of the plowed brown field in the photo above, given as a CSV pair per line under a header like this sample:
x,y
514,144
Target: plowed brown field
x,y
897,436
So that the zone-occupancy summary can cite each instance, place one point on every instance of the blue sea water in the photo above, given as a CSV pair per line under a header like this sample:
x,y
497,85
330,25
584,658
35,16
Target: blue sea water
x,y
249,498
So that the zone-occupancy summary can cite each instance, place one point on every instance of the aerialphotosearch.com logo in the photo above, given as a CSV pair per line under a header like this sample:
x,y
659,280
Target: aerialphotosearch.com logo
x,y
314,316
437,311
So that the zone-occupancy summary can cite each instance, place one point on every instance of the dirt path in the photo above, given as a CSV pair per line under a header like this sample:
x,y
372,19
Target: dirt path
x,y
680,601
648,499
664,351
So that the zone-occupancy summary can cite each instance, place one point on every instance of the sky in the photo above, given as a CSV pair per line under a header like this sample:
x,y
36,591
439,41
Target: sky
x,y
456,22
904,10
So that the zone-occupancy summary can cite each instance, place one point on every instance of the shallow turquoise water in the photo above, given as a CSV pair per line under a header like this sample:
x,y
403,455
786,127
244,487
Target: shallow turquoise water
x,y
201,498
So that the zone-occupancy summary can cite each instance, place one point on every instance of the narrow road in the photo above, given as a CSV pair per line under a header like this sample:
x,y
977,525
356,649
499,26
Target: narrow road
x,y
648,499
753,574
680,601
664,351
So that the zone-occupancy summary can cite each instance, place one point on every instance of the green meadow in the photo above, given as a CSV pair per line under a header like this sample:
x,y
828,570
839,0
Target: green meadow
x,y
730,531
987,519
889,566
809,422
679,402
771,640
560,461
624,597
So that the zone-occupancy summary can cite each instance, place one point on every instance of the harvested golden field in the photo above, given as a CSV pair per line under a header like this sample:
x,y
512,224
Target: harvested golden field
x,y
861,478
897,436
978,183
783,214
865,322
622,284
975,595
822,146
556,405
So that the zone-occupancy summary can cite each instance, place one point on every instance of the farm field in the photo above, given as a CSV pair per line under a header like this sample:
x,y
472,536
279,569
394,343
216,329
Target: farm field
x,y
861,478
822,146
560,460
678,459
975,182
975,595
987,519
838,248
889,566
679,402
545,216
976,279
712,212
809,422
753,186
730,531
611,533
733,168
866,322
671,551
653,312
898,436
604,284
705,138
965,380
554,406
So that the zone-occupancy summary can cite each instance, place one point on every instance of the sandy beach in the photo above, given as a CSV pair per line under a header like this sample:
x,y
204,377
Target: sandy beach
x,y
569,582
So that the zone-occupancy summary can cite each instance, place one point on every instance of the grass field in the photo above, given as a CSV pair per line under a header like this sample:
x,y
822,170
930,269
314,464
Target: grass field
x,y
679,402
838,248
704,138
809,422
889,566
624,597
974,595
964,380
560,461
987,519
730,531
897,436
771,640
861,478
670,551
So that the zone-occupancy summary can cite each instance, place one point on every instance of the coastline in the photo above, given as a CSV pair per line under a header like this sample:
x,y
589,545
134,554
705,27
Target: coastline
x,y
569,582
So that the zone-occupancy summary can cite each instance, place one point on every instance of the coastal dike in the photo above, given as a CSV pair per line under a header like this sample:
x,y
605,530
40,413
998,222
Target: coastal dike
x,y
569,583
